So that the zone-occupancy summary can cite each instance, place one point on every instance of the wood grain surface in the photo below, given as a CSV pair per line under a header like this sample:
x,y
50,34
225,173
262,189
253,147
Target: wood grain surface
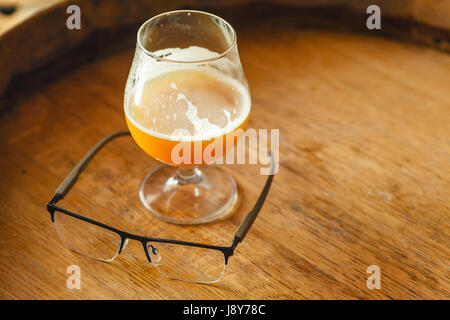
x,y
36,34
364,176
14,12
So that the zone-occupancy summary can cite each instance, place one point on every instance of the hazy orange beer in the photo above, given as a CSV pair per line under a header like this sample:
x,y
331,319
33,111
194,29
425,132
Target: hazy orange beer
x,y
193,107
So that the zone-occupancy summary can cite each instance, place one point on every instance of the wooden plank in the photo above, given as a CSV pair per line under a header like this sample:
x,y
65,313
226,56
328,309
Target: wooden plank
x,y
42,24
363,178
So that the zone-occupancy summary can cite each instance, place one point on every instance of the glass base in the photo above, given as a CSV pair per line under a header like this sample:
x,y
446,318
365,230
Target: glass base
x,y
189,195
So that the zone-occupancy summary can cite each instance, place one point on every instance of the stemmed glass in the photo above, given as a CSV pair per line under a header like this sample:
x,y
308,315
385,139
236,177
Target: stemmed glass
x,y
186,91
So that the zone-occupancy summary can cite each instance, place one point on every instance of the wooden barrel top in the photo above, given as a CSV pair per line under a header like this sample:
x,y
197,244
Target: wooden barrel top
x,y
364,174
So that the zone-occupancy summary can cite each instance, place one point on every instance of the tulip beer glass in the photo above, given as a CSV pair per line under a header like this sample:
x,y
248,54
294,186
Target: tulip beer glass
x,y
186,90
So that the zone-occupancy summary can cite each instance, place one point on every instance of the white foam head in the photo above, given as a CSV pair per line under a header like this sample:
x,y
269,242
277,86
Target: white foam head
x,y
203,128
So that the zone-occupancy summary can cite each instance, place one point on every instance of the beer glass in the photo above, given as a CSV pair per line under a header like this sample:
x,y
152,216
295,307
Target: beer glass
x,y
185,93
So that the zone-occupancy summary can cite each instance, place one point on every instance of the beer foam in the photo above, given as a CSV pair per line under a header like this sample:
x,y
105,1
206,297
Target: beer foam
x,y
190,54
203,128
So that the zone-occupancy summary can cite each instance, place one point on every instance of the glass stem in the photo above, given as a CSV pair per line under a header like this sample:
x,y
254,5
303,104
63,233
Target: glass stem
x,y
189,174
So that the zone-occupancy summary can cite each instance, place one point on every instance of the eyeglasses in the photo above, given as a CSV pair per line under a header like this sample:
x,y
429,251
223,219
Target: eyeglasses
x,y
179,260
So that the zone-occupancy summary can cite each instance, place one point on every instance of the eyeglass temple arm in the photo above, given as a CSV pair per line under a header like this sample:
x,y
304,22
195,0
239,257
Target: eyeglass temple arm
x,y
251,216
70,180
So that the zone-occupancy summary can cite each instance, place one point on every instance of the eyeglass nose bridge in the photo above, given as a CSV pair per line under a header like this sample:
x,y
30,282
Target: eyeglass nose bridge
x,y
151,251
123,244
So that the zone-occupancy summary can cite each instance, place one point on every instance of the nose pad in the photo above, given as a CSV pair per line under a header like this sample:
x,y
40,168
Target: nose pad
x,y
155,257
124,245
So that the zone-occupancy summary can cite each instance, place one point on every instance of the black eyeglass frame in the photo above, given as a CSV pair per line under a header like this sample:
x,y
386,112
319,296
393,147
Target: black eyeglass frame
x,y
71,179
